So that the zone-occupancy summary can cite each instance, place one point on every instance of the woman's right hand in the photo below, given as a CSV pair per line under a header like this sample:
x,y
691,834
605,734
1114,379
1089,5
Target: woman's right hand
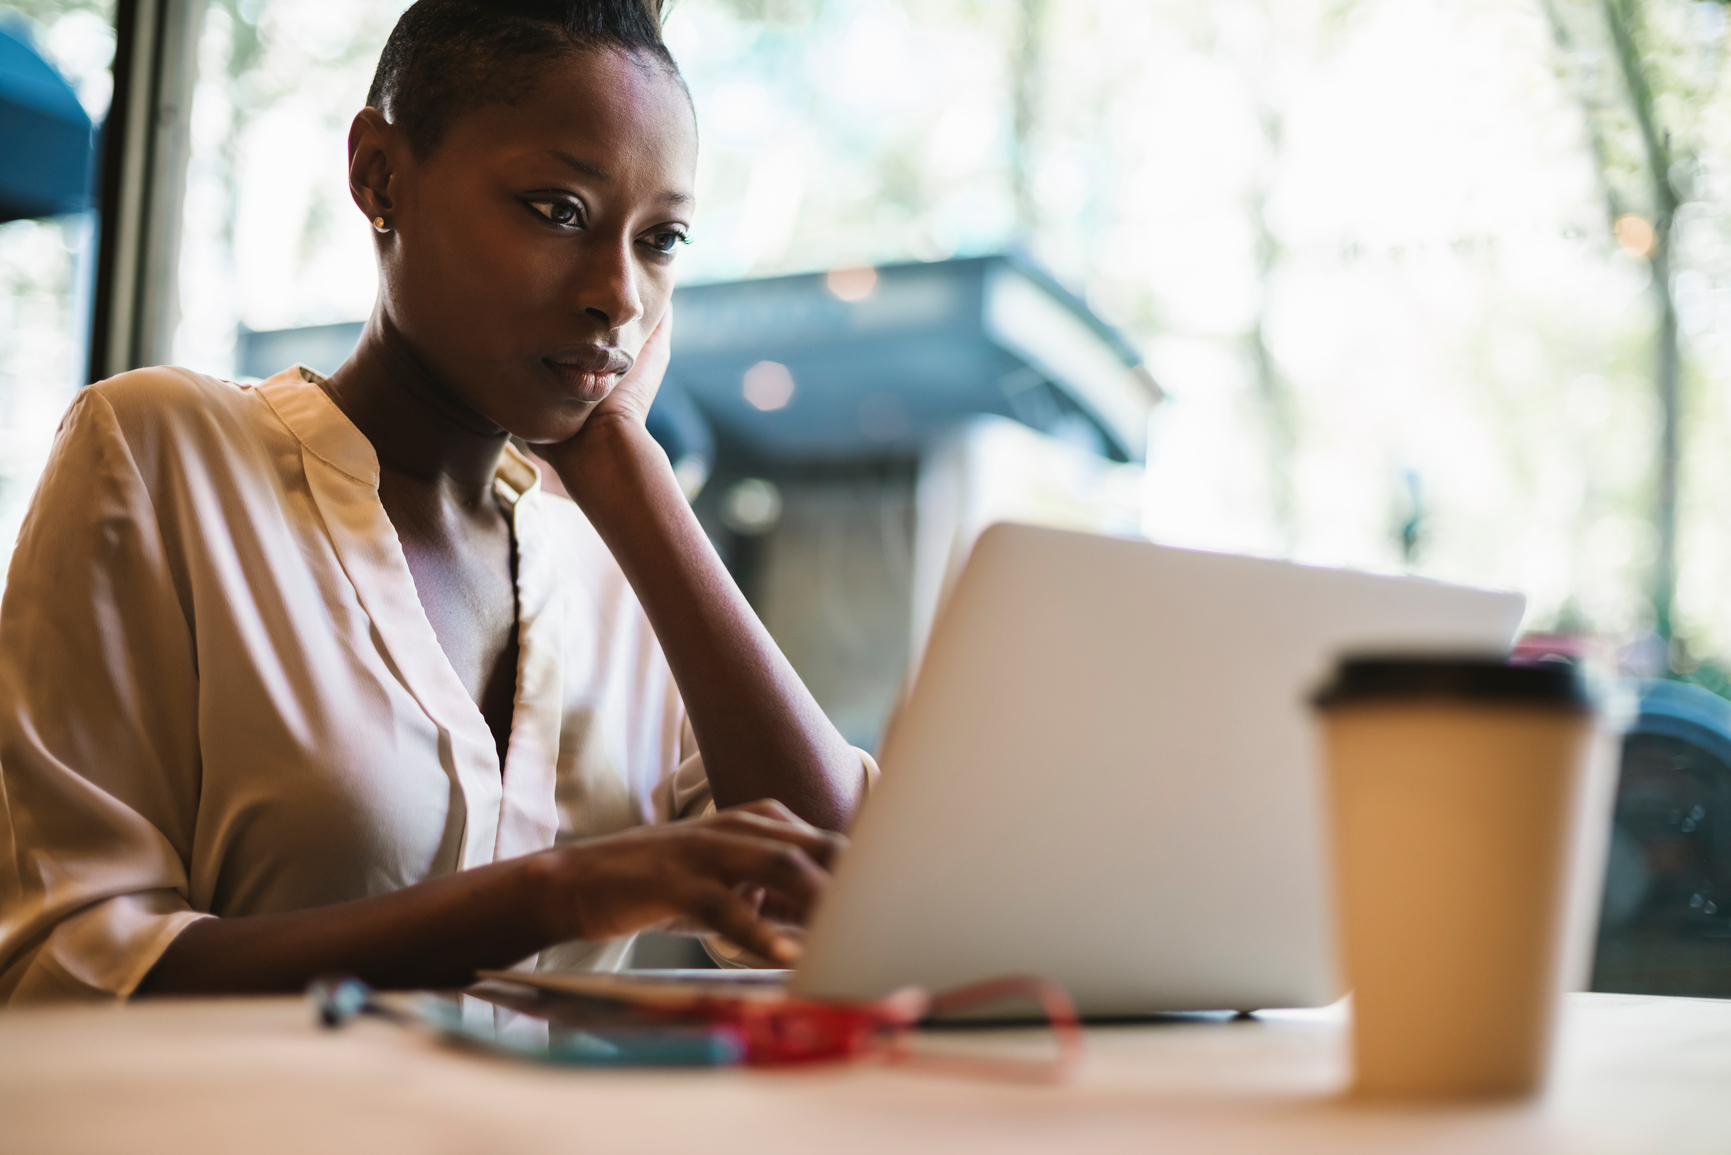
x,y
744,872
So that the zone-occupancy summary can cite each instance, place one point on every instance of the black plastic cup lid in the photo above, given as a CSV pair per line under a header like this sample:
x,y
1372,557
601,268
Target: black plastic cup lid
x,y
1457,677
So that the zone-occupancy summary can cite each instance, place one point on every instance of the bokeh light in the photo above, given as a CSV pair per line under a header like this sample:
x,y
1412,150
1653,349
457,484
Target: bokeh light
x,y
768,385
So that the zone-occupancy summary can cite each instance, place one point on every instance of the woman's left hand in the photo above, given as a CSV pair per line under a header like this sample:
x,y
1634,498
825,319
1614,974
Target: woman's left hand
x,y
631,398
627,404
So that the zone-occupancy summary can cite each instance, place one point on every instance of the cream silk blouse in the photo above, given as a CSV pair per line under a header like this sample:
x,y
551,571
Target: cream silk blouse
x,y
219,693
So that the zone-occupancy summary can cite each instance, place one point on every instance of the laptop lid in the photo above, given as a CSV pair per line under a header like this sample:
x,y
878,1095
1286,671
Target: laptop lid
x,y
1106,774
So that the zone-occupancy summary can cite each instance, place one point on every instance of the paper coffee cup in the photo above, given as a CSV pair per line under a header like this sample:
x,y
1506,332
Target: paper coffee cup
x,y
1458,791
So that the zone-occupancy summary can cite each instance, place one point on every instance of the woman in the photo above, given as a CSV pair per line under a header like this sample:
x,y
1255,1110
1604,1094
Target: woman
x,y
309,676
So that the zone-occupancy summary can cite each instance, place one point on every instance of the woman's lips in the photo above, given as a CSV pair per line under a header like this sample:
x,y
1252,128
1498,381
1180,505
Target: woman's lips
x,y
592,371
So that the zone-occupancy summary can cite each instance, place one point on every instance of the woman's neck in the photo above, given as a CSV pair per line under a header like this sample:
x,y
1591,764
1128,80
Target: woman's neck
x,y
418,426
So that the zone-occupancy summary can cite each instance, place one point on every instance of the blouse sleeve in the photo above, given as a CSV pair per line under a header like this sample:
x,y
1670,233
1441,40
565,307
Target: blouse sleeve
x,y
99,763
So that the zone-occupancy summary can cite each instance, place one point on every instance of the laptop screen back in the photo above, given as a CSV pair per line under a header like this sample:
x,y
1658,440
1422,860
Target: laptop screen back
x,y
1107,774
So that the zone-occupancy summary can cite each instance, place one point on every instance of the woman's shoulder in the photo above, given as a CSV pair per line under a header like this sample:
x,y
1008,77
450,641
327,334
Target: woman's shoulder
x,y
167,418
582,559
571,536
166,392
166,414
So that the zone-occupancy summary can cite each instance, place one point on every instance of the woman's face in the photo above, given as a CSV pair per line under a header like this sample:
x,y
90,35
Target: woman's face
x,y
533,250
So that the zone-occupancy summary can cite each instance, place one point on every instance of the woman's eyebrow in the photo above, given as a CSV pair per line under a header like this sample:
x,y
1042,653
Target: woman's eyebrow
x,y
581,166
599,173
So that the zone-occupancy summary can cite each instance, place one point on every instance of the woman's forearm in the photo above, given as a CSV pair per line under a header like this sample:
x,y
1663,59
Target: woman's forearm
x,y
761,732
434,934
438,933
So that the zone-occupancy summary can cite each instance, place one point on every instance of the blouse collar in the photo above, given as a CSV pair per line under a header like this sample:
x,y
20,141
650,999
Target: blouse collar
x,y
327,433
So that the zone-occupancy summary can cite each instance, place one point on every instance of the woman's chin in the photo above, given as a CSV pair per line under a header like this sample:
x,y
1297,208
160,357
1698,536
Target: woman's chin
x,y
545,430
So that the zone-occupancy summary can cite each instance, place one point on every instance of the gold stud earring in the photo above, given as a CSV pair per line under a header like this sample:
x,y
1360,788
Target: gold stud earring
x,y
379,224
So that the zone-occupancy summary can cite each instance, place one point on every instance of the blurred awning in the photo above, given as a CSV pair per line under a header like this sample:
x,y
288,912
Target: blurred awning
x,y
860,363
45,135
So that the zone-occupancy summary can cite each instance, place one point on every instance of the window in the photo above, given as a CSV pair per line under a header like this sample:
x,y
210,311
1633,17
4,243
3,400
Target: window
x,y
46,265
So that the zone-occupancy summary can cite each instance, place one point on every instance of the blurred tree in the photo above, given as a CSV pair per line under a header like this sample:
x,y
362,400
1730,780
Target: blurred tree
x,y
1631,61
1026,92
240,52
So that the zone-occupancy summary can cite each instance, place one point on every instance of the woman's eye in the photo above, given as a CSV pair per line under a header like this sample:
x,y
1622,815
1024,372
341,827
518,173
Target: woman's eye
x,y
560,212
663,242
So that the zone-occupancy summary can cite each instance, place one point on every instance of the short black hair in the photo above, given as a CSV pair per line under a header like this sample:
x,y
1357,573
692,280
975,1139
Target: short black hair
x,y
448,57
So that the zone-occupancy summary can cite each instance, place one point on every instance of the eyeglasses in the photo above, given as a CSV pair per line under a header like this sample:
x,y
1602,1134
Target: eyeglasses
x,y
727,1030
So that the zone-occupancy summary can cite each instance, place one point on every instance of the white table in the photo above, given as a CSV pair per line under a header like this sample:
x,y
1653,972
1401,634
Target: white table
x,y
255,1075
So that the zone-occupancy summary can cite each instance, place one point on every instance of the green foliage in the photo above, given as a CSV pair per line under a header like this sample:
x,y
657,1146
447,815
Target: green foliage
x,y
1709,673
48,11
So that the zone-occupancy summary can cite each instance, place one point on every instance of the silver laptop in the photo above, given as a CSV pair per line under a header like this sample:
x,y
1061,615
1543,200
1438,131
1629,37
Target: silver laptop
x,y
1106,774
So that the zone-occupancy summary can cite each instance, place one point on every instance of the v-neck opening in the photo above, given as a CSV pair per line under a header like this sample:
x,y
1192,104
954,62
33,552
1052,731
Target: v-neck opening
x,y
506,803
506,500
508,510
528,768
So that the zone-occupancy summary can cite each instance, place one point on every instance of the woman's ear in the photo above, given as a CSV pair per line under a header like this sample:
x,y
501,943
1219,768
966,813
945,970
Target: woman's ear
x,y
373,145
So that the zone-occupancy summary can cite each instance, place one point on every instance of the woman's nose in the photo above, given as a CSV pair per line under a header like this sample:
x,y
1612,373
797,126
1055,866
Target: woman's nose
x,y
608,288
